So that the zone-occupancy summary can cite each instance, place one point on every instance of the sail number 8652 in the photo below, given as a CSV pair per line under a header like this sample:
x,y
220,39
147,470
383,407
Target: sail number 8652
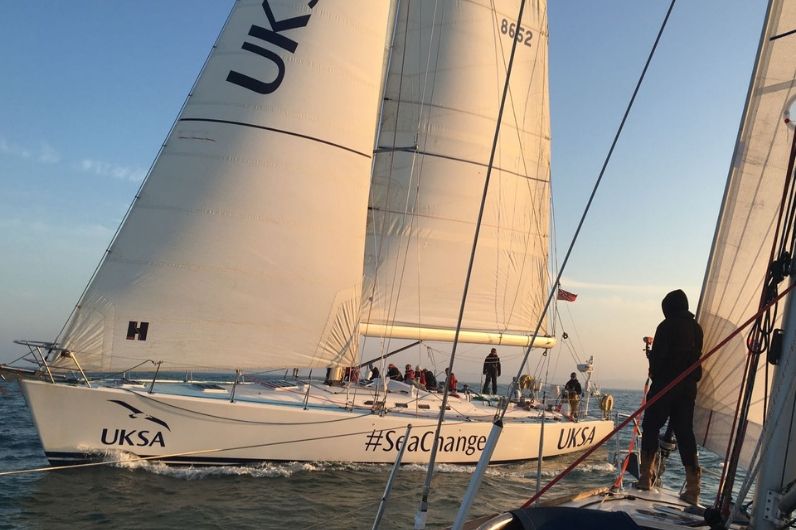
x,y
511,29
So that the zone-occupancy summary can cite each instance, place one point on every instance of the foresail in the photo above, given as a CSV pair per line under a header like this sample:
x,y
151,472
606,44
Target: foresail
x,y
446,76
244,248
742,245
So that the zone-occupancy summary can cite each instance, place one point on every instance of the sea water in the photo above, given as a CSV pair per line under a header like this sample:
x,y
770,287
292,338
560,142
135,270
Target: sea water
x,y
138,495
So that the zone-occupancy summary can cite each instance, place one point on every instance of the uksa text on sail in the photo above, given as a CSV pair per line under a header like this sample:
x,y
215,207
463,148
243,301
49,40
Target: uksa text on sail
x,y
274,37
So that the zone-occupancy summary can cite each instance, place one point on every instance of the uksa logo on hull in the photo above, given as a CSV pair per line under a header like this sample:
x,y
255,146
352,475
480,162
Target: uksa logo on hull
x,y
134,437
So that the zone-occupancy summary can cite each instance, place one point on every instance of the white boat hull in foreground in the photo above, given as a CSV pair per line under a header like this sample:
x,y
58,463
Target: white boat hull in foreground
x,y
76,423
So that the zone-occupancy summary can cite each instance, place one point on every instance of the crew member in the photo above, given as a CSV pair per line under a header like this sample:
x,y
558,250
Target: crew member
x,y
421,377
374,372
394,373
452,382
431,380
491,371
409,375
676,346
573,391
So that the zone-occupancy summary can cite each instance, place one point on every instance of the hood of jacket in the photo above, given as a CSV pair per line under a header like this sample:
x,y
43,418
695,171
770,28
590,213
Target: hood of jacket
x,y
673,303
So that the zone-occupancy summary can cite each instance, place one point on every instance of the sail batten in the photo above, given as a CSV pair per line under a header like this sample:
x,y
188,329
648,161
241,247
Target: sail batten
x,y
244,247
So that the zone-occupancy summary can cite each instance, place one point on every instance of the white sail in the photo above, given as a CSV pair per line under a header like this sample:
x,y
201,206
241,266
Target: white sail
x,y
441,101
244,247
745,231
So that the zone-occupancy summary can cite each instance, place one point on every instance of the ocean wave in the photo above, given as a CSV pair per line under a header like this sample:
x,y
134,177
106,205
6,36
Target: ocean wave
x,y
288,469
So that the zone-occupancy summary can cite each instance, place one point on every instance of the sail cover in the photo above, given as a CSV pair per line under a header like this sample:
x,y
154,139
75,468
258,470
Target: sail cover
x,y
244,247
744,235
446,75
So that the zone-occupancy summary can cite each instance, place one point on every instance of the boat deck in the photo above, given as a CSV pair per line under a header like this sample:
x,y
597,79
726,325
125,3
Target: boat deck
x,y
399,398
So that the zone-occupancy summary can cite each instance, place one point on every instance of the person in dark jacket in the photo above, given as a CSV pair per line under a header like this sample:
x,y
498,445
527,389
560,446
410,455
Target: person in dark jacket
x,y
394,373
431,380
676,346
491,371
573,393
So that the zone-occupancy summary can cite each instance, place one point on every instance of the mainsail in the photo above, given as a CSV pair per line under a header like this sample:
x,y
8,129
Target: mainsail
x,y
244,246
446,75
744,235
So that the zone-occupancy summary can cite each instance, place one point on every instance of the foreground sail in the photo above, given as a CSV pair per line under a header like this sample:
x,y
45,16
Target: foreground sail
x,y
744,237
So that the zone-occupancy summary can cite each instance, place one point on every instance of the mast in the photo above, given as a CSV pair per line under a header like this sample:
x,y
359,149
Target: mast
x,y
778,462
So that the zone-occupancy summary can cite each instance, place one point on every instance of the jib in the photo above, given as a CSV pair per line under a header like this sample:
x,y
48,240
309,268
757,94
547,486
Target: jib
x,y
275,37
132,437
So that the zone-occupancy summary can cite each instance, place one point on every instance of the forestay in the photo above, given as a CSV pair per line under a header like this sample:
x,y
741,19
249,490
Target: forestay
x,y
446,76
244,248
743,240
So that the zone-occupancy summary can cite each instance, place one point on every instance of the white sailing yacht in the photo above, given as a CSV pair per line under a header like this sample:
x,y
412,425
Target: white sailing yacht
x,y
746,402
320,184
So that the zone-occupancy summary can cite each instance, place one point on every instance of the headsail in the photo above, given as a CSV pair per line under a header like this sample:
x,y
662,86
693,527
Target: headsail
x,y
446,76
744,235
244,248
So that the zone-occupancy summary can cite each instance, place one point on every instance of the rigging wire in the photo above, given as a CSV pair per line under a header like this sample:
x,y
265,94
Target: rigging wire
x,y
420,518
499,417
595,188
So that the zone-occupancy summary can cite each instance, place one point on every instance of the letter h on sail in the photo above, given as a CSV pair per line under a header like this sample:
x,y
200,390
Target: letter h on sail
x,y
134,329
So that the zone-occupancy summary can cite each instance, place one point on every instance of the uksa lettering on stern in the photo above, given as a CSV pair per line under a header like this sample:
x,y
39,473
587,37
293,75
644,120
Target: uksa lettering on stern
x,y
576,437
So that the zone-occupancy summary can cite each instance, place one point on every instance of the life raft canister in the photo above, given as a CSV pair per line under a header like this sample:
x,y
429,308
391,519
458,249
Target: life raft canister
x,y
607,403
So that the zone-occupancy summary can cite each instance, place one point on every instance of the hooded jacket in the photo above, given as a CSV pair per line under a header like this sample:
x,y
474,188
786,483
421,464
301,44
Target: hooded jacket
x,y
492,364
677,343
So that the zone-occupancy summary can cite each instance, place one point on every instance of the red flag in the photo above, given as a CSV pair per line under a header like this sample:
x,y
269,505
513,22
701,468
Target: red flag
x,y
566,296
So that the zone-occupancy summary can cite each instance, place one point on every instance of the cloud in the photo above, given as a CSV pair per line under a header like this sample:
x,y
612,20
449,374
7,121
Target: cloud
x,y
13,149
48,155
45,154
568,283
36,229
108,169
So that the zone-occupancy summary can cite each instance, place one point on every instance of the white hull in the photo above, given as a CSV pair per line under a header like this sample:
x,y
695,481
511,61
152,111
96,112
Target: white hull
x,y
76,423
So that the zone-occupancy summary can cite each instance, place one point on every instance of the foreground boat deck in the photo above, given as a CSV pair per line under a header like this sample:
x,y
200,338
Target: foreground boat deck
x,y
400,398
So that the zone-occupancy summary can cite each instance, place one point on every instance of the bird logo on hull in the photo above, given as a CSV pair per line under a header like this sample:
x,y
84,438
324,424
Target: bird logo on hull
x,y
134,437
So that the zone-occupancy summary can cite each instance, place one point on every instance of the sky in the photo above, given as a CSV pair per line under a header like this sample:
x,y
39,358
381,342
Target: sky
x,y
92,87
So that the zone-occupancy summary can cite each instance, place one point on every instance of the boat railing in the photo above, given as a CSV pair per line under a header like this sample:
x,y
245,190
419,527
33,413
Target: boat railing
x,y
238,377
154,378
40,351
